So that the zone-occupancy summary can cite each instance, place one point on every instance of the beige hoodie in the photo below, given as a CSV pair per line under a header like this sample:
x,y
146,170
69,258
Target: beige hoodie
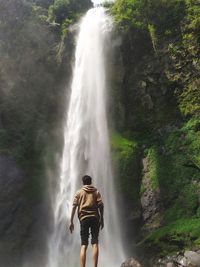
x,y
88,200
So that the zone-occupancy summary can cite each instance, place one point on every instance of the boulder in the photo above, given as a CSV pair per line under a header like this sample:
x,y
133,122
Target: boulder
x,y
131,263
183,261
193,258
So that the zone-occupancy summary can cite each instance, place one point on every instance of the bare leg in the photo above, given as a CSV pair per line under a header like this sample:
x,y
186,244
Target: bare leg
x,y
83,255
95,254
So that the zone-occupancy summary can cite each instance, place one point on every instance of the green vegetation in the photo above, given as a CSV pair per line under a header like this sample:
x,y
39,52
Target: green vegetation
x,y
142,14
32,49
155,103
130,14
181,234
152,157
125,154
159,105
68,9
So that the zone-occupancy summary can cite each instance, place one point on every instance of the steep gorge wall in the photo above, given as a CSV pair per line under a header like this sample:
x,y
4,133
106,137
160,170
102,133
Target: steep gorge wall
x,y
154,102
35,69
155,77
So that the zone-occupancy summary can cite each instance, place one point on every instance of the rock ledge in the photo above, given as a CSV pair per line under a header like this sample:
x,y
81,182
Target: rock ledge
x,y
131,263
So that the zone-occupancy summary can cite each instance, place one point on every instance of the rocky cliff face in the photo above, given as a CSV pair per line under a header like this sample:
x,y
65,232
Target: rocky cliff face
x,y
36,50
14,220
157,74
151,200
154,97
23,223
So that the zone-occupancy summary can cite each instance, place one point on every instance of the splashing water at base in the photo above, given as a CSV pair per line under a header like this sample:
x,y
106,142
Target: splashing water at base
x,y
86,149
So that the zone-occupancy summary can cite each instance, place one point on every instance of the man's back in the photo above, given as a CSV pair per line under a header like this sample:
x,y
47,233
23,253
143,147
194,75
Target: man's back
x,y
88,200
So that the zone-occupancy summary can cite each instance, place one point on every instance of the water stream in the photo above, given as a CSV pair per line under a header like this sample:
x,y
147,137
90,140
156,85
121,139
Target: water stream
x,y
86,148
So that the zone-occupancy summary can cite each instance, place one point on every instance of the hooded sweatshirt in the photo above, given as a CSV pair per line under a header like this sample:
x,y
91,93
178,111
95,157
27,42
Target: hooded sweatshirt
x,y
88,200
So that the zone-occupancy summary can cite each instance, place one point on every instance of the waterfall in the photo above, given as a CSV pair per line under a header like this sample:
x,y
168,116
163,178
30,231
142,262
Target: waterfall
x,y
86,149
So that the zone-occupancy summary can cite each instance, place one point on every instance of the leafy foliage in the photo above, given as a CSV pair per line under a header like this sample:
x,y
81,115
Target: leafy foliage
x,y
142,13
126,153
175,236
130,13
158,97
152,157
68,9
160,100
31,80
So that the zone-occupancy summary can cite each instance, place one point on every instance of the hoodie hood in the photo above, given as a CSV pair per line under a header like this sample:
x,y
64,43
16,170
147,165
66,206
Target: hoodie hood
x,y
89,188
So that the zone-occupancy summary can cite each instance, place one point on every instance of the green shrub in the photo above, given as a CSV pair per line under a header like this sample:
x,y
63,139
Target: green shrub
x,y
152,157
125,155
68,9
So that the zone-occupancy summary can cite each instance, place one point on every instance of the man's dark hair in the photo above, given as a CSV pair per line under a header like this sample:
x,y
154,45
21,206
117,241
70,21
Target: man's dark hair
x,y
87,180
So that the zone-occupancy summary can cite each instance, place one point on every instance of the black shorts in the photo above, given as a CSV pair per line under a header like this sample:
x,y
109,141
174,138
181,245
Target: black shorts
x,y
89,225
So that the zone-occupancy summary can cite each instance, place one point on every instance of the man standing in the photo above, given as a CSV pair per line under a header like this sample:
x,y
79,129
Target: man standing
x,y
90,214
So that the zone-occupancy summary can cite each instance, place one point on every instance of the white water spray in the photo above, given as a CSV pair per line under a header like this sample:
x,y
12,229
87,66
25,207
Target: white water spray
x,y
86,149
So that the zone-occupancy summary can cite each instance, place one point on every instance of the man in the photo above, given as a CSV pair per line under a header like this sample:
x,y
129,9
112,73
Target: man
x,y
90,214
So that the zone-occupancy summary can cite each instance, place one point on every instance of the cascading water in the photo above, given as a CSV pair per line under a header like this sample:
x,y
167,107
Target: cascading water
x,y
86,148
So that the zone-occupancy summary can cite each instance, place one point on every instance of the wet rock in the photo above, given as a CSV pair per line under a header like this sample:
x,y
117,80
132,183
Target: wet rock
x,y
131,263
193,258
150,199
14,222
143,84
150,79
187,259
11,186
168,261
24,221
147,101
182,261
